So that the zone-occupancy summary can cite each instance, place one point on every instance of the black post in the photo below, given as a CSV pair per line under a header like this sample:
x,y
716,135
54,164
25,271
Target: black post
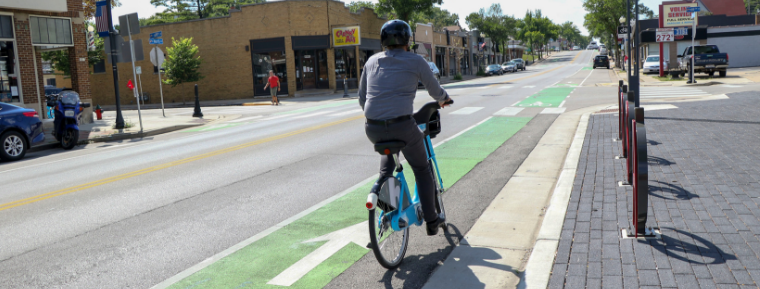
x,y
634,85
641,176
197,111
628,40
345,87
114,53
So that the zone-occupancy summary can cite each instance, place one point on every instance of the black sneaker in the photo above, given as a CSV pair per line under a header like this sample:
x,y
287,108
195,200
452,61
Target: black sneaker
x,y
432,227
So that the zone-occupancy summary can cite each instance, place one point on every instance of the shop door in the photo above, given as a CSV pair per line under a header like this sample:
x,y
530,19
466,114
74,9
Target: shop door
x,y
308,68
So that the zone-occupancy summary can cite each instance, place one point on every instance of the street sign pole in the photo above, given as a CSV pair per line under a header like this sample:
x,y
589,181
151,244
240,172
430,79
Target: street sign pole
x,y
160,83
134,72
139,80
636,43
114,58
693,36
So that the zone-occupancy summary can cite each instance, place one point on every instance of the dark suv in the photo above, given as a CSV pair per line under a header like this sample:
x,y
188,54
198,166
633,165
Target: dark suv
x,y
601,61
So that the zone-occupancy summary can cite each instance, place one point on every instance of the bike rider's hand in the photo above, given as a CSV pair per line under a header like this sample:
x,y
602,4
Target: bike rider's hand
x,y
443,103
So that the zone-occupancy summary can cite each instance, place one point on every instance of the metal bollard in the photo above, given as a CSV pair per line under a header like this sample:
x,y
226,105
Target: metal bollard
x,y
620,109
197,111
629,130
640,181
345,87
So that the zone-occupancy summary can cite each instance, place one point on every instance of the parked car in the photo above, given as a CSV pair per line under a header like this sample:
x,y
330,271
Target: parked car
x,y
20,128
494,69
509,66
603,51
519,63
652,64
435,70
576,48
601,61
707,59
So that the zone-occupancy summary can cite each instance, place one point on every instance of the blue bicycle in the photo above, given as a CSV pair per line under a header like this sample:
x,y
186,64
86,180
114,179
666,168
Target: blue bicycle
x,y
392,209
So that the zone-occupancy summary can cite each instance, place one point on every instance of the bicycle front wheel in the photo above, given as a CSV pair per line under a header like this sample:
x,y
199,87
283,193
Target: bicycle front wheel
x,y
388,245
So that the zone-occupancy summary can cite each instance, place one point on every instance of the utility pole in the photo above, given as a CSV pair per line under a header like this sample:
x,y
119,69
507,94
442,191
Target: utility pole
x,y
636,42
114,58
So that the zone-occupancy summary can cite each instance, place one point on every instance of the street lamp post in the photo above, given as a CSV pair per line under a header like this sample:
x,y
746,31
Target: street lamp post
x,y
636,41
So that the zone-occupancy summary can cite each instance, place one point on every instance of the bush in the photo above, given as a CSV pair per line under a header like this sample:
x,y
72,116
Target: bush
x,y
481,72
458,77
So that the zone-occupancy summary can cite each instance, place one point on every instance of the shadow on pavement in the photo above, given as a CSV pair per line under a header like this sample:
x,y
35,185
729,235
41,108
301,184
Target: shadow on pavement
x,y
679,192
689,248
658,161
478,257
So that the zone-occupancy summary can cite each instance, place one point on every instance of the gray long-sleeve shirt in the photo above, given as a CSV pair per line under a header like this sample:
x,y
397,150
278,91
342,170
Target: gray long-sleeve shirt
x,y
389,84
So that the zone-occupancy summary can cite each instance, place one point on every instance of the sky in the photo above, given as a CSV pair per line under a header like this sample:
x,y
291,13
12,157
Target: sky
x,y
558,11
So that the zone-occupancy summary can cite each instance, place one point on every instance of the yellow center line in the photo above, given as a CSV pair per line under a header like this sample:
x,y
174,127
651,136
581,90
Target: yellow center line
x,y
164,166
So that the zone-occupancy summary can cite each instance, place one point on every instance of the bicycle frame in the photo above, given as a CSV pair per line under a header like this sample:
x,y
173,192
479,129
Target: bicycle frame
x,y
410,206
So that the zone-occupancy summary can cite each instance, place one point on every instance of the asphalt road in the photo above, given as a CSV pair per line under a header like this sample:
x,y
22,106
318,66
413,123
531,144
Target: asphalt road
x,y
136,213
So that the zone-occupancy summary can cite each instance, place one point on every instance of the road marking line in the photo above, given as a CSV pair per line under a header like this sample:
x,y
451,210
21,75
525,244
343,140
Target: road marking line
x,y
509,111
313,114
347,112
584,80
467,110
506,87
213,259
515,104
563,102
529,86
246,118
482,87
164,166
553,110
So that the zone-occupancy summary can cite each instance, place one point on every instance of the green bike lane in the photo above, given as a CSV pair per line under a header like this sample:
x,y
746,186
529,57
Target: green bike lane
x,y
258,263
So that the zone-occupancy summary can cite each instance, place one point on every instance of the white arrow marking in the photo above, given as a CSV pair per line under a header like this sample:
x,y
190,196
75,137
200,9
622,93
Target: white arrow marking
x,y
358,234
537,103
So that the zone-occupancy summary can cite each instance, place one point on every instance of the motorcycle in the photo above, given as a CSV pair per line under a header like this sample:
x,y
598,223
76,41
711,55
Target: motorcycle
x,y
66,121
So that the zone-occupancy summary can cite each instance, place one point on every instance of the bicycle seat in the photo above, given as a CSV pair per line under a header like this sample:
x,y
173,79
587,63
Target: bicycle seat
x,y
389,147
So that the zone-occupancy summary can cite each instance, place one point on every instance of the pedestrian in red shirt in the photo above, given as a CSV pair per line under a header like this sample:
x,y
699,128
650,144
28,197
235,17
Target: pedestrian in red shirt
x,y
274,86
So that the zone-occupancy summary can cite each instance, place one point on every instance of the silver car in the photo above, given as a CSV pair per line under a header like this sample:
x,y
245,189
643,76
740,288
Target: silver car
x,y
652,64
509,66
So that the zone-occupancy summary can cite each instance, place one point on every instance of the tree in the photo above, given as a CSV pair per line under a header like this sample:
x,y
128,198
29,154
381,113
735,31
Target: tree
x,y
753,6
59,59
494,24
355,6
405,9
181,63
89,7
183,10
439,17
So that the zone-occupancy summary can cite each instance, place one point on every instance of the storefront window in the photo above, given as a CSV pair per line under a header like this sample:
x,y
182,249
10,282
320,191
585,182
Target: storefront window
x,y
264,62
8,77
345,63
364,55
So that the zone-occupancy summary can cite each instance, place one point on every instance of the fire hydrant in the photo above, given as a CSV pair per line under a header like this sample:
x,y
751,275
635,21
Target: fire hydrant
x,y
99,112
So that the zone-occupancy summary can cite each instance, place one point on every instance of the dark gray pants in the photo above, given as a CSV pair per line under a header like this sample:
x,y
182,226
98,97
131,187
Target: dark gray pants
x,y
414,152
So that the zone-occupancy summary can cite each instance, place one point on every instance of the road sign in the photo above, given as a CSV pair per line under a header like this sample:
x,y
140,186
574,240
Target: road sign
x,y
623,31
665,35
134,24
138,69
156,41
155,35
681,31
693,9
156,56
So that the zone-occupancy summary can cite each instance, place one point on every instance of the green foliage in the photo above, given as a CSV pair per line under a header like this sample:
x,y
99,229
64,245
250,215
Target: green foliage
x,y
183,10
89,7
494,24
458,77
481,72
753,6
439,17
181,63
406,9
59,59
355,6
603,17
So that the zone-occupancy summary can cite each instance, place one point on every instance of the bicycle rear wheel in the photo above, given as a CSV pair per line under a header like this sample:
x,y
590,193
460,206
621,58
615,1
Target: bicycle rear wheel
x,y
388,245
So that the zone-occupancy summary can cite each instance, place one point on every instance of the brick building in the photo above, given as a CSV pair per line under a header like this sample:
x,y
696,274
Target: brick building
x,y
294,38
26,29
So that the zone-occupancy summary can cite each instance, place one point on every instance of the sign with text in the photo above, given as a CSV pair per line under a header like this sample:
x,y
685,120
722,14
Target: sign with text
x,y
346,36
678,15
681,31
665,35
156,41
156,34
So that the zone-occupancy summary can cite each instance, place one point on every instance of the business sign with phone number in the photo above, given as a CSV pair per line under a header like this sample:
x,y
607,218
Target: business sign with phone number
x,y
665,35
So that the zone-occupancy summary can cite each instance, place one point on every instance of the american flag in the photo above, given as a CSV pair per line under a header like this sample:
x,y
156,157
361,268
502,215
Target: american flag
x,y
101,18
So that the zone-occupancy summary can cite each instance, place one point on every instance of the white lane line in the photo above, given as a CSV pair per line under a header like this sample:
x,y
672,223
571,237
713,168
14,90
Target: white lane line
x,y
205,263
553,110
313,114
467,110
279,116
347,112
514,104
246,118
482,87
584,81
529,86
563,103
506,87
509,111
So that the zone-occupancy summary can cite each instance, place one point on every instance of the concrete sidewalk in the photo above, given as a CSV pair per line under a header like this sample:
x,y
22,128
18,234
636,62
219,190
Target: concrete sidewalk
x,y
735,76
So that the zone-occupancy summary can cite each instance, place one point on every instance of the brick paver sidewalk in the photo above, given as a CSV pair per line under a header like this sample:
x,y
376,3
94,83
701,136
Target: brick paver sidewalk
x,y
703,177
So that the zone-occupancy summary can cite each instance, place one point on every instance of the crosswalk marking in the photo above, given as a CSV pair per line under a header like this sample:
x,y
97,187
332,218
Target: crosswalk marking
x,y
665,92
347,112
509,111
467,110
482,87
553,110
505,87
246,118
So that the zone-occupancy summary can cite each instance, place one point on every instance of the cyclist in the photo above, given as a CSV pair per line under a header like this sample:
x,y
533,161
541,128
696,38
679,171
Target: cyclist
x,y
386,93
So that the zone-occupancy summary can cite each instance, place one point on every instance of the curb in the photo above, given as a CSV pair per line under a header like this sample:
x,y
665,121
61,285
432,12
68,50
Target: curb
x,y
119,136
255,103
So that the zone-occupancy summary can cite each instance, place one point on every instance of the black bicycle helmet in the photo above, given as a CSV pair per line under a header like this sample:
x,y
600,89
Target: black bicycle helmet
x,y
395,32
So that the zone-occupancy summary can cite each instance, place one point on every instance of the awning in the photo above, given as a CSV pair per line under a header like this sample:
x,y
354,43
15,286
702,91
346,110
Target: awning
x,y
311,42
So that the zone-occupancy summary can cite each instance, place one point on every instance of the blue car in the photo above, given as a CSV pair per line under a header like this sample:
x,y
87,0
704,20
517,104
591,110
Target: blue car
x,y
20,128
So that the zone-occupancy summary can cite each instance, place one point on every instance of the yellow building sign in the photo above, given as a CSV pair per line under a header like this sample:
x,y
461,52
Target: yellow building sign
x,y
346,36
676,15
